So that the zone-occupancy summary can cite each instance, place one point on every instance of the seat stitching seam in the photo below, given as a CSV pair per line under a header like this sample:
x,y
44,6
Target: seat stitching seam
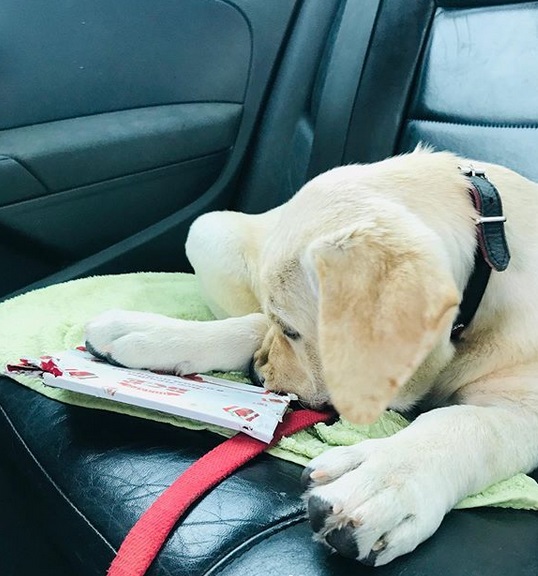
x,y
520,126
231,556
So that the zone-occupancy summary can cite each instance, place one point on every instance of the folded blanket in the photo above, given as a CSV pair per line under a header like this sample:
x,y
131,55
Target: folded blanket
x,y
52,319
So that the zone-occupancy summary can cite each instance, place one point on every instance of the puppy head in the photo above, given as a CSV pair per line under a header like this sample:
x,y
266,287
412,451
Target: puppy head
x,y
357,313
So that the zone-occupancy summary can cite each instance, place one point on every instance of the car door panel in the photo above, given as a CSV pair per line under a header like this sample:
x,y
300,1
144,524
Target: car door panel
x,y
81,151
72,58
117,115
77,222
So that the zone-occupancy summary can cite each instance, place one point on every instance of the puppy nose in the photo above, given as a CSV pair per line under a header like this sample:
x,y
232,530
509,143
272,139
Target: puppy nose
x,y
255,378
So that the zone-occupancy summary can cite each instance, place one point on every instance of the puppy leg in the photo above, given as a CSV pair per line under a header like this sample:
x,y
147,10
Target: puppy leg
x,y
144,340
380,499
223,248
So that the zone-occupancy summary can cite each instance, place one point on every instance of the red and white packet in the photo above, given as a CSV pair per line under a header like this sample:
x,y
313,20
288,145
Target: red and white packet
x,y
233,405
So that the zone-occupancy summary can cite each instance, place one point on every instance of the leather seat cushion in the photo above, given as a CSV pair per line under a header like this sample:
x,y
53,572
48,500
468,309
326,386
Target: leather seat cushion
x,y
98,472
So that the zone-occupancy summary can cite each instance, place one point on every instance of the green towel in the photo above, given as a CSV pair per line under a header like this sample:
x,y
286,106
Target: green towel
x,y
52,319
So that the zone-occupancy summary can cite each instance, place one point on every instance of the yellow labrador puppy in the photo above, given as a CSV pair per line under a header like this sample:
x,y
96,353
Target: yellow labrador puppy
x,y
347,294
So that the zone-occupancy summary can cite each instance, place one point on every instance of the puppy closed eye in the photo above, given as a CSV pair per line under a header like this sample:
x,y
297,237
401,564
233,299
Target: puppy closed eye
x,y
286,330
289,333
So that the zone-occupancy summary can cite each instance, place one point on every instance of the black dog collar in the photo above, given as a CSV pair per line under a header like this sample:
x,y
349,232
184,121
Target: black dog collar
x,y
491,250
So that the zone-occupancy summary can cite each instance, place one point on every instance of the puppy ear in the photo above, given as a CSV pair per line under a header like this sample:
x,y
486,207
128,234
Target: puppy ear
x,y
384,300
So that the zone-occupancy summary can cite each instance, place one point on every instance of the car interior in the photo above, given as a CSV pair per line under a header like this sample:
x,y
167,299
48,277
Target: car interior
x,y
124,120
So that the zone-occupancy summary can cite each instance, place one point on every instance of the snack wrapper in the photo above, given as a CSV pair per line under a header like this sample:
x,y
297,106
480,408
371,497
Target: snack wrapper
x,y
234,405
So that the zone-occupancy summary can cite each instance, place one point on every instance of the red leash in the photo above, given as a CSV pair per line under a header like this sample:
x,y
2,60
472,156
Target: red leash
x,y
147,536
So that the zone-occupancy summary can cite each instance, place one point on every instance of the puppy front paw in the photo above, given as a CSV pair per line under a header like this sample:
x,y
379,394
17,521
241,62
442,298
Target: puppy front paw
x,y
373,502
135,340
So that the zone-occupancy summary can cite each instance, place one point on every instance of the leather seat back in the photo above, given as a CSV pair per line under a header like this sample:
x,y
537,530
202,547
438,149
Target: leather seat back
x,y
461,75
474,89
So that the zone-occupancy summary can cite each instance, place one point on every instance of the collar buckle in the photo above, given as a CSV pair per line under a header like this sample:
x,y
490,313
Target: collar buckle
x,y
472,170
486,219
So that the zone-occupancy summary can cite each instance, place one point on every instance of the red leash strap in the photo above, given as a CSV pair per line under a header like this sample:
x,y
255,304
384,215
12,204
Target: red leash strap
x,y
147,536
